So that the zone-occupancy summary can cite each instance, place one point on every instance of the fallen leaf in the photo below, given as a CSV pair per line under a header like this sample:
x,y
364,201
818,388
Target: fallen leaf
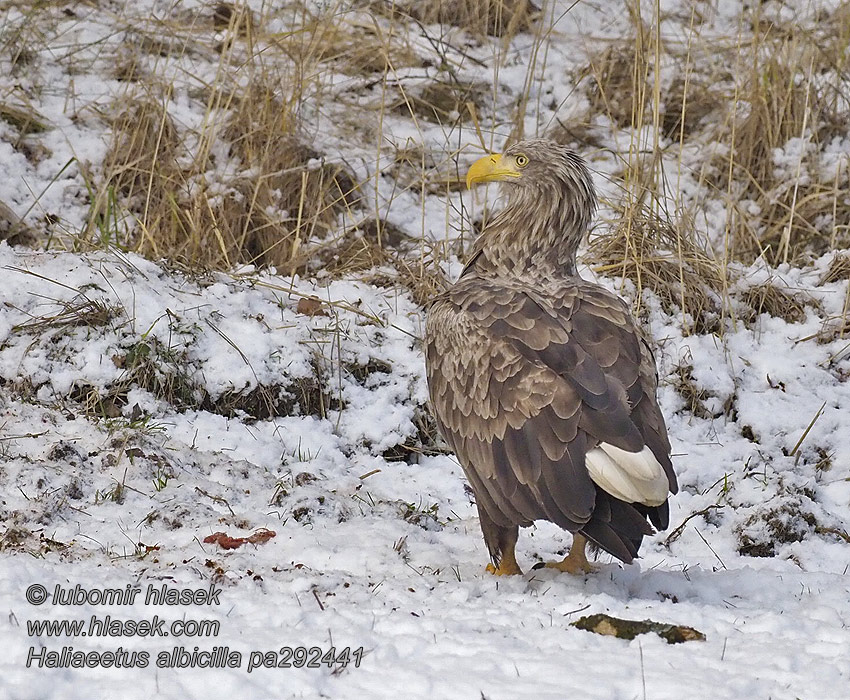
x,y
310,306
261,536
225,541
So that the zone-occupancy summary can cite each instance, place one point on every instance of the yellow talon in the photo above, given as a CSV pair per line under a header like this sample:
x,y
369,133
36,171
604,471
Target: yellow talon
x,y
576,561
571,567
505,569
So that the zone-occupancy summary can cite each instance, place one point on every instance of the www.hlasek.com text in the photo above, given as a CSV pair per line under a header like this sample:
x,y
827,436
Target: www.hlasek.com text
x,y
109,626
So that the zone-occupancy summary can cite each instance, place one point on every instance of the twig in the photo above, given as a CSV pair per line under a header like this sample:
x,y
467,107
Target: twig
x,y
712,549
806,431
217,499
821,530
677,533
24,435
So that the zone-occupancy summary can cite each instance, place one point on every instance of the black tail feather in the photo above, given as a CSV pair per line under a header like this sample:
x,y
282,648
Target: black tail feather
x,y
619,527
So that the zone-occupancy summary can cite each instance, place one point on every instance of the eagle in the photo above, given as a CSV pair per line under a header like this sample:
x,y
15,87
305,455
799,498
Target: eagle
x,y
540,381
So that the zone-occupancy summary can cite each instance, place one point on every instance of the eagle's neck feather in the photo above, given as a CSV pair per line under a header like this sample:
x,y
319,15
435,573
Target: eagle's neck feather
x,y
538,231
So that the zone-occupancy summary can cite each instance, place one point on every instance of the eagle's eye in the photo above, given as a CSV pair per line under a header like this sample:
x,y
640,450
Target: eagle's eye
x,y
521,160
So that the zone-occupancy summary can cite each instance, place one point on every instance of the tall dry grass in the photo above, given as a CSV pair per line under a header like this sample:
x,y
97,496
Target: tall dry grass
x,y
742,120
244,186
499,18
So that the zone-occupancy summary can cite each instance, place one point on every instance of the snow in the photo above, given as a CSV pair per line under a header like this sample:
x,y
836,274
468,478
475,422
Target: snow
x,y
143,409
411,591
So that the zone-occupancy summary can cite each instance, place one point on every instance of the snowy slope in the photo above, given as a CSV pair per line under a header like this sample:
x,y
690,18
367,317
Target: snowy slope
x,y
393,561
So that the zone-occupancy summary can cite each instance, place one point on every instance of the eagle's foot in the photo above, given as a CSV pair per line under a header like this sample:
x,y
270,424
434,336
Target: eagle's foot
x,y
501,541
575,562
572,565
505,568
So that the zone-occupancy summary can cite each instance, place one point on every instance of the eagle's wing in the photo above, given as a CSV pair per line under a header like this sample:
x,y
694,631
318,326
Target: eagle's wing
x,y
525,383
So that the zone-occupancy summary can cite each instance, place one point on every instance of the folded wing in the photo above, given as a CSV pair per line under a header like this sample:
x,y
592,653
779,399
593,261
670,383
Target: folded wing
x,y
547,397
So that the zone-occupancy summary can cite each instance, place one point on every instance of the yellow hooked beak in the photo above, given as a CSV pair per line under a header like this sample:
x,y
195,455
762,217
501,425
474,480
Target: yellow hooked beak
x,y
491,169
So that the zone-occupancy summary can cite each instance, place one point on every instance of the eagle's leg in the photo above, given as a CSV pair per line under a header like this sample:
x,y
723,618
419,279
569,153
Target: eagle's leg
x,y
576,561
501,542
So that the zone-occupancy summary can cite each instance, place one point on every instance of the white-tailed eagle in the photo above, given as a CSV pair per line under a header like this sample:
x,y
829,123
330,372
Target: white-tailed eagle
x,y
540,381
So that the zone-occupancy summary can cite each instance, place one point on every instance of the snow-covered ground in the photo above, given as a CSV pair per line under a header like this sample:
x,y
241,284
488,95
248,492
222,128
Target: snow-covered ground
x,y
144,409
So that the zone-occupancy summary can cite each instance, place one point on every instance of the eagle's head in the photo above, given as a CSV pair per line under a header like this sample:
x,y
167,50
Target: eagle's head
x,y
537,167
550,199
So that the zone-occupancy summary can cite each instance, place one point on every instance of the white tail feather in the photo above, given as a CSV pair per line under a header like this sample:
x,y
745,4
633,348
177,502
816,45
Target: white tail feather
x,y
633,477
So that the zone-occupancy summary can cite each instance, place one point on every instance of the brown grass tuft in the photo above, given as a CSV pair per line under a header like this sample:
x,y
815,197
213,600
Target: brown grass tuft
x,y
839,269
782,210
770,98
23,117
500,18
620,83
616,84
78,312
12,229
665,258
362,247
778,107
687,103
280,196
695,397
358,46
444,102
286,175
140,166
380,253
701,402
764,532
416,169
422,278
168,374
768,298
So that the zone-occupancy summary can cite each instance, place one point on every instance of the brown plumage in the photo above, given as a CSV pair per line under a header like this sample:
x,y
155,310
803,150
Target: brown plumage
x,y
539,380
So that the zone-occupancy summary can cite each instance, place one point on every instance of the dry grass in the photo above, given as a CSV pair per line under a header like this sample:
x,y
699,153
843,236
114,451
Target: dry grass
x,y
169,375
78,312
360,248
358,46
687,103
382,254
763,106
418,169
616,82
769,298
839,269
653,240
764,532
783,210
500,18
623,82
12,229
666,258
263,134
443,102
695,397
23,117
244,187
281,196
